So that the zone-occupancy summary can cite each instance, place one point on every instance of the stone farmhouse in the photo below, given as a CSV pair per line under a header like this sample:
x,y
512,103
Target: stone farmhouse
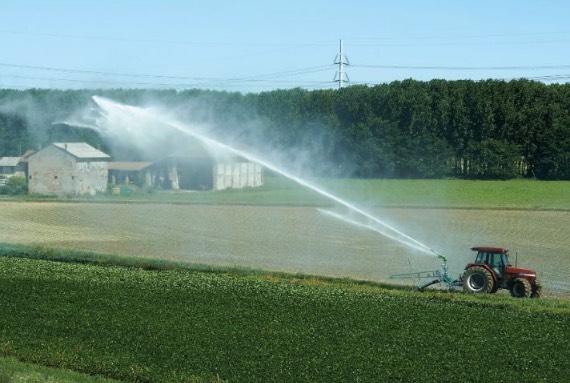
x,y
68,169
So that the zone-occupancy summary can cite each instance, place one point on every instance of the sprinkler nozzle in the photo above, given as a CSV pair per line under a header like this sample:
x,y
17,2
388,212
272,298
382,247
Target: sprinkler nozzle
x,y
439,255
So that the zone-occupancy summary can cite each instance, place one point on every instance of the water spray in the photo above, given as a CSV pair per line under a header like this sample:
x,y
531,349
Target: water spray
x,y
439,255
391,232
126,115
373,228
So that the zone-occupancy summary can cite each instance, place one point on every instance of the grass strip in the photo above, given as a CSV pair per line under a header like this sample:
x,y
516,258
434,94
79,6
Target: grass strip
x,y
13,371
512,194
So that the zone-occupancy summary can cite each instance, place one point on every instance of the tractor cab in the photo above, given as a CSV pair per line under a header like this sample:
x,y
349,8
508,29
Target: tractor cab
x,y
495,257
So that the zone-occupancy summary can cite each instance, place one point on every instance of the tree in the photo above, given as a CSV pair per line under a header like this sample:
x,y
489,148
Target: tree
x,y
493,159
14,138
553,155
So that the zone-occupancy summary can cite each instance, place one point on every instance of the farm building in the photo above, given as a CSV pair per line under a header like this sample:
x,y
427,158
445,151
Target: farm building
x,y
68,169
24,161
10,166
127,172
197,168
237,175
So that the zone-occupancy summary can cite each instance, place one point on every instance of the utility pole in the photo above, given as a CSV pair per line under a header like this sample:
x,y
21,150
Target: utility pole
x,y
341,77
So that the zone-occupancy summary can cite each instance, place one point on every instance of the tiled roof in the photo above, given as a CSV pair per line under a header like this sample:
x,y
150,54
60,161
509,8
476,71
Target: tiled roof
x,y
81,150
9,161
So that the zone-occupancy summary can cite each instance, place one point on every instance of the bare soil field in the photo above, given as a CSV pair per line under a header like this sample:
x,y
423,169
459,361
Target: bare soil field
x,y
296,239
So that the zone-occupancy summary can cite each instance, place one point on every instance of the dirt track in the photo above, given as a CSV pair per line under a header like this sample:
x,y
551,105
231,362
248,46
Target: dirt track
x,y
294,239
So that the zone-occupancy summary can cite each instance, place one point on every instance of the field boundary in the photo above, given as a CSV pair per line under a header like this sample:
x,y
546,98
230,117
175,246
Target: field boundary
x,y
277,204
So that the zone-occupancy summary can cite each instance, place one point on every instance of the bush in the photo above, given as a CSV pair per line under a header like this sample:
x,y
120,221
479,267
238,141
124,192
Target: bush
x,y
15,185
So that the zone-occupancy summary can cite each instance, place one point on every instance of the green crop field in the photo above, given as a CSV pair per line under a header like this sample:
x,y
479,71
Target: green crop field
x,y
184,325
183,306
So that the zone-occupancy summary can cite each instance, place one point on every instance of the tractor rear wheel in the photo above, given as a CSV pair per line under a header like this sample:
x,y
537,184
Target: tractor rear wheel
x,y
478,279
536,290
521,288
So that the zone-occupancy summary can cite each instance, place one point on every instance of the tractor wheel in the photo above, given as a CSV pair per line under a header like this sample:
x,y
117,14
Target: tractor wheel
x,y
478,280
521,288
536,290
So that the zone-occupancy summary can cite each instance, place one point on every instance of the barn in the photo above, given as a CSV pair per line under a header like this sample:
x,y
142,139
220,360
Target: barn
x,y
237,175
127,172
198,168
10,166
68,169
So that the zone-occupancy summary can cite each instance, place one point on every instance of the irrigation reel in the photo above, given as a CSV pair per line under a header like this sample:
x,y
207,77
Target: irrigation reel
x,y
433,277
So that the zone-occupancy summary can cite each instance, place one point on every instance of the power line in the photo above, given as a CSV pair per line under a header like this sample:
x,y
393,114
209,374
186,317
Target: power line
x,y
197,82
267,79
416,67
83,71
86,81
263,79
549,78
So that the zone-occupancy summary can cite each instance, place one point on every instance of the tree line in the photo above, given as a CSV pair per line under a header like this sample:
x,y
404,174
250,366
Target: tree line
x,y
490,129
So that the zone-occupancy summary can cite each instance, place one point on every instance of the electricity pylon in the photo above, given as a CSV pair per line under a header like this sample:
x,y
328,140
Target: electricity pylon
x,y
341,77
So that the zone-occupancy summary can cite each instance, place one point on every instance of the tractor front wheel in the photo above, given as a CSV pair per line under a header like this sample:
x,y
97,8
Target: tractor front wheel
x,y
521,288
478,279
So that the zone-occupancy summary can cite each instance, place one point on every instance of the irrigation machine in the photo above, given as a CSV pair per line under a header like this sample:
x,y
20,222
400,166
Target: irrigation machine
x,y
490,272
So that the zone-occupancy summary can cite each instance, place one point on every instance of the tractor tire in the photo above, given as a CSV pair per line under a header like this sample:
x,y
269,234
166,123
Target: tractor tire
x,y
536,290
521,288
478,280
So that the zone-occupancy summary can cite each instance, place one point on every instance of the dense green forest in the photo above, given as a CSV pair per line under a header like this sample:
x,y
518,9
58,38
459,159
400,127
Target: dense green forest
x,y
489,129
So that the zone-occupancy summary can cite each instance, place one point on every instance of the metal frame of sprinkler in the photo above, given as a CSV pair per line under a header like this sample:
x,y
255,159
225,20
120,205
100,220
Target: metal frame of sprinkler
x,y
439,276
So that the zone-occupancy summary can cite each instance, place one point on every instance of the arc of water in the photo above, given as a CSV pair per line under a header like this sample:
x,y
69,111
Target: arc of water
x,y
370,227
107,104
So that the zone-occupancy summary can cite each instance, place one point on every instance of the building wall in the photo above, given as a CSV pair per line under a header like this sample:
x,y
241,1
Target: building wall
x,y
54,172
90,177
7,170
237,175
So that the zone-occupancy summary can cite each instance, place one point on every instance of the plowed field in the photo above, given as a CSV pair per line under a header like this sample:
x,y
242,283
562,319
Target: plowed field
x,y
295,239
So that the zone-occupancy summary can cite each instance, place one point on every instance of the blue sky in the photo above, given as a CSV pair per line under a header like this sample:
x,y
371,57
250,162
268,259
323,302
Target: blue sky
x,y
253,46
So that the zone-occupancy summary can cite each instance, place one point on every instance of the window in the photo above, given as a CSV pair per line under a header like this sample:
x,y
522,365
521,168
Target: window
x,y
480,257
497,264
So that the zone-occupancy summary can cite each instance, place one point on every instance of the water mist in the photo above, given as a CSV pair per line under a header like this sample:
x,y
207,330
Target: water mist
x,y
140,124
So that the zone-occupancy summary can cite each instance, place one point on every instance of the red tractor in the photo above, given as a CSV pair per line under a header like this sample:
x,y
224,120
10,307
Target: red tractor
x,y
492,271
